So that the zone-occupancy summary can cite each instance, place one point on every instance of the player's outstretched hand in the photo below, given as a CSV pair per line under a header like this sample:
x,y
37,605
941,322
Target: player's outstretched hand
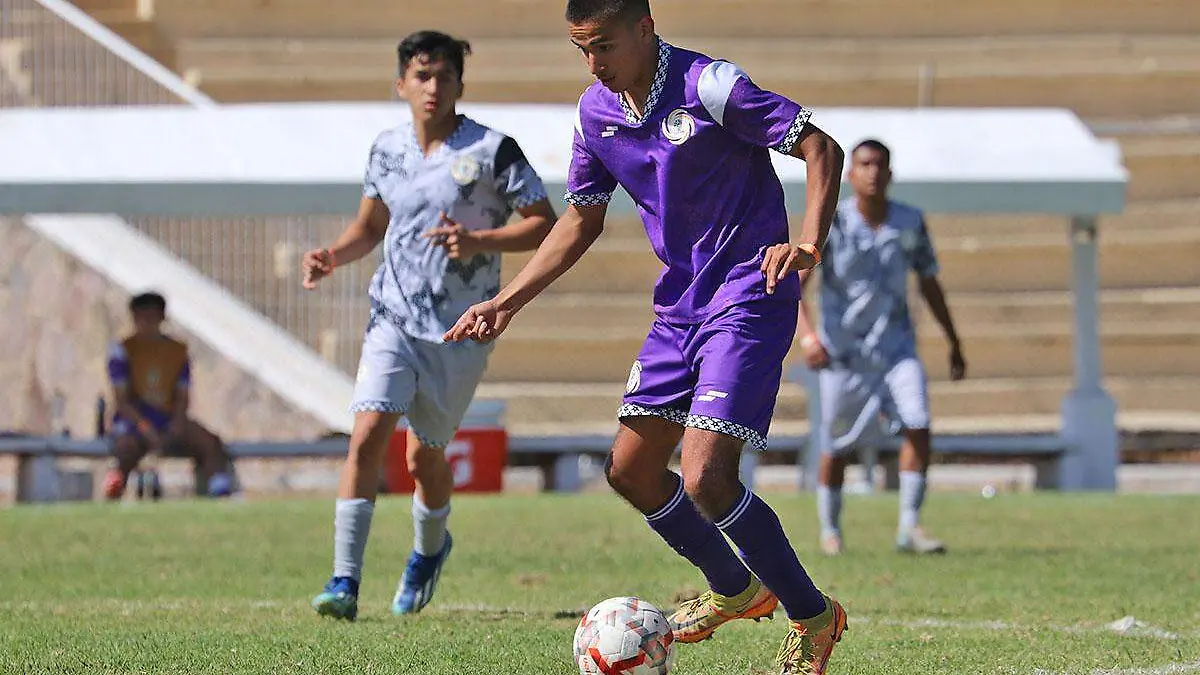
x,y
815,355
781,260
958,364
458,241
482,323
316,265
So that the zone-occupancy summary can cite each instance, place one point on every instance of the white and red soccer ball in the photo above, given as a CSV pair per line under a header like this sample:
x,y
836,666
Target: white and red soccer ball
x,y
624,636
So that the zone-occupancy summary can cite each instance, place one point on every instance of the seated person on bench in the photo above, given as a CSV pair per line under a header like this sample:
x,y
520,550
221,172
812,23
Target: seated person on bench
x,y
151,375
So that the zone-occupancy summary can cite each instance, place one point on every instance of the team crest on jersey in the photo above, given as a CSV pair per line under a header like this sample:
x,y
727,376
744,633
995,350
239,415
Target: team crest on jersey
x,y
908,240
465,170
635,378
678,126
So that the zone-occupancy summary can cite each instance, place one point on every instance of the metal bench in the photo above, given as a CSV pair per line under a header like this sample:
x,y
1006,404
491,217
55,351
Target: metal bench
x,y
38,478
557,457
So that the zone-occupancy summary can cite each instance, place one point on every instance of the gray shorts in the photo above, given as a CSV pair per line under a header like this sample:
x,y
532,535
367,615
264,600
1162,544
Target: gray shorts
x,y
431,384
859,407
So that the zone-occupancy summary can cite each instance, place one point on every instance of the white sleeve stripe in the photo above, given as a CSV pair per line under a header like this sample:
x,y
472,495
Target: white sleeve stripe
x,y
714,86
578,117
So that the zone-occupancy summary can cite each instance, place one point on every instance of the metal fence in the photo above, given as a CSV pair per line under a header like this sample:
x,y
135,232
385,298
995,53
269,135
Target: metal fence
x,y
258,261
53,54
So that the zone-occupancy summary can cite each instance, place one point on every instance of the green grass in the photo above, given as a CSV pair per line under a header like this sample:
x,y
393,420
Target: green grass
x,y
200,587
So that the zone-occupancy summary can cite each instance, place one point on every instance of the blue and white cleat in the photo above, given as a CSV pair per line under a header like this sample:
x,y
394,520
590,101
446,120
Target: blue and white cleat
x,y
420,580
339,599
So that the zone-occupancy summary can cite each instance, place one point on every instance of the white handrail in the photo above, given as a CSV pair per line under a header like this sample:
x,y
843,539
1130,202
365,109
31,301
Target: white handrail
x,y
131,55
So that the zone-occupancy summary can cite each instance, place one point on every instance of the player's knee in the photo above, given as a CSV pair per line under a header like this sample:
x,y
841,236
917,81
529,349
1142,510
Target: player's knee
x,y
370,437
632,481
622,478
712,489
425,462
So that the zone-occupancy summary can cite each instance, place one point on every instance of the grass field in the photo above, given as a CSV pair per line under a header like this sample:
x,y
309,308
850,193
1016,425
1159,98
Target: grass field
x,y
1031,584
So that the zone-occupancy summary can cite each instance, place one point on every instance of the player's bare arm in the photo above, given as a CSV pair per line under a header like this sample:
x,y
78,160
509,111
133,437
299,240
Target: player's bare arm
x,y
359,238
524,235
935,297
569,239
814,352
824,158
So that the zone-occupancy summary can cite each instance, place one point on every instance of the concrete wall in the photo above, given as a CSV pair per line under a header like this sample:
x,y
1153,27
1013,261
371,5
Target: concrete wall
x,y
57,318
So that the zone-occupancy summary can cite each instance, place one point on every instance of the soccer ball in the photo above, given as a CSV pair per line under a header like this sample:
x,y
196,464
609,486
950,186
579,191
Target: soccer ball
x,y
624,636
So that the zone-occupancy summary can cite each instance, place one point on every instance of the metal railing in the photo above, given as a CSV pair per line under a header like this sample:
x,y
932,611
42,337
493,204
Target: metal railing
x,y
258,261
54,54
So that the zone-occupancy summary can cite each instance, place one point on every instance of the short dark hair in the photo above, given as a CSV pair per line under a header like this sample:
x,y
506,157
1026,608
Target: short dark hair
x,y
149,300
579,11
878,146
435,46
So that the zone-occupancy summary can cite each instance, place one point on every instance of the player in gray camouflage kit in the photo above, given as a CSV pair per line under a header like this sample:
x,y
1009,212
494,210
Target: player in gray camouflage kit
x,y
865,348
438,193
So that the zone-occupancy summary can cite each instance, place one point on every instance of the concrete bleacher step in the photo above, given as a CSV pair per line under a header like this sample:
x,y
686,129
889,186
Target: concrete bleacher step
x,y
969,264
601,311
1159,348
1163,166
1100,86
130,20
594,404
879,18
553,51
103,9
761,18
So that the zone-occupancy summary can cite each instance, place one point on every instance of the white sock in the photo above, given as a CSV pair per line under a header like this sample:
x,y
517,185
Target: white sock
x,y
912,496
351,525
829,509
429,527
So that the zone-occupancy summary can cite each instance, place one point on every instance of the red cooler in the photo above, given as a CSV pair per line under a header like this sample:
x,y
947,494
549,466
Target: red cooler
x,y
477,458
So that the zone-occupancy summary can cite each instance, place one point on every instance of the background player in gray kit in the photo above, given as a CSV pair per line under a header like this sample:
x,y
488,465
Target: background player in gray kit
x,y
438,193
865,347
689,138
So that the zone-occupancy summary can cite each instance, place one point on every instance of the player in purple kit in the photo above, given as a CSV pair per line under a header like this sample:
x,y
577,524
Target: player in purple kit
x,y
688,137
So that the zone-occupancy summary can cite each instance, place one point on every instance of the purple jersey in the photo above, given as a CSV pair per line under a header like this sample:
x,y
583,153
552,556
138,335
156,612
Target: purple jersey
x,y
697,166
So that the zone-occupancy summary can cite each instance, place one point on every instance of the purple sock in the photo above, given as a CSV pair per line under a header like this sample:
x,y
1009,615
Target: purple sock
x,y
695,537
756,530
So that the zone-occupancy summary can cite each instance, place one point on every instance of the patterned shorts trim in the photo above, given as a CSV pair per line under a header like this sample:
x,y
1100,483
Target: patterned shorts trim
x,y
755,439
670,414
376,406
429,442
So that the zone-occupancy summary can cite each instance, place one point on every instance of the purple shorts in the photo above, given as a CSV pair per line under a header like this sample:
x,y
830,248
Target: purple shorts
x,y
158,419
721,374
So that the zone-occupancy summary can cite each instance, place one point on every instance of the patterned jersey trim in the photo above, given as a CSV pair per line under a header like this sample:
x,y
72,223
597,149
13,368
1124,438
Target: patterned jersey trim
x,y
587,200
793,135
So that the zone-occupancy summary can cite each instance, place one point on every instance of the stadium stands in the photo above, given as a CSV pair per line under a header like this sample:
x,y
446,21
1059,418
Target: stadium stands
x,y
1130,67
